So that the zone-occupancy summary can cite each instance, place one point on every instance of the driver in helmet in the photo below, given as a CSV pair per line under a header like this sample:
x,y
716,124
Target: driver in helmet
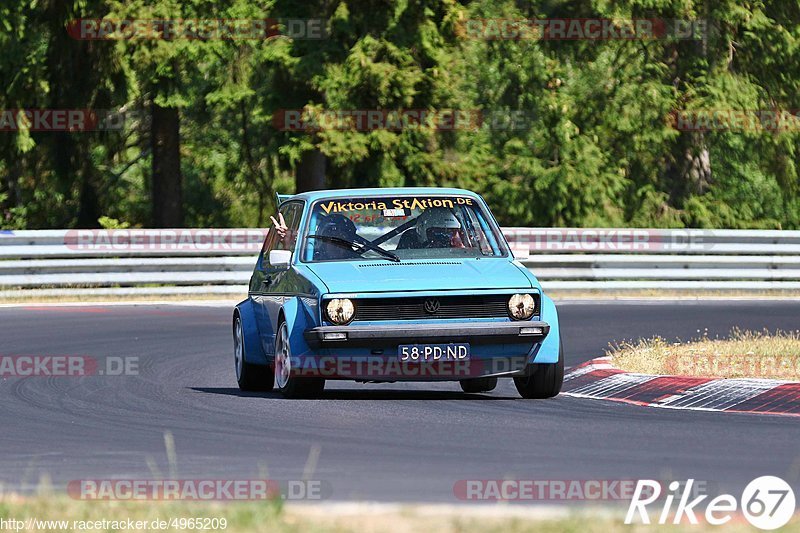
x,y
436,227
339,226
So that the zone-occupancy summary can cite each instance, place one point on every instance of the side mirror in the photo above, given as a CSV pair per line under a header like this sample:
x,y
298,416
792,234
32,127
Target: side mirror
x,y
280,258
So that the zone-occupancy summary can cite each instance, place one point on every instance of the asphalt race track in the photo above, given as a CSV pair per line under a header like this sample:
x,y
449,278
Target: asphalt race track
x,y
397,442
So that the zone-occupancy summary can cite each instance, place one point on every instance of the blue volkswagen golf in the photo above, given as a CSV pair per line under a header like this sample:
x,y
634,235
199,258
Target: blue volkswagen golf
x,y
393,284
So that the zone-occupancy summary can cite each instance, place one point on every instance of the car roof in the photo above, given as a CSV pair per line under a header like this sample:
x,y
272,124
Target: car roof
x,y
382,191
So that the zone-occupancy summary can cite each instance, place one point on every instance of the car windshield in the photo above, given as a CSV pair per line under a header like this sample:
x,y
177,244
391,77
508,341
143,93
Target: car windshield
x,y
400,228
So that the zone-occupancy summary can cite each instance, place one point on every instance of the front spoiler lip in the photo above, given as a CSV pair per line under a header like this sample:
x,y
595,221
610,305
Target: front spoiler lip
x,y
379,336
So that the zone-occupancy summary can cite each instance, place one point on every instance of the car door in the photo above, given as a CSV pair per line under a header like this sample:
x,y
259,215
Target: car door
x,y
270,283
258,294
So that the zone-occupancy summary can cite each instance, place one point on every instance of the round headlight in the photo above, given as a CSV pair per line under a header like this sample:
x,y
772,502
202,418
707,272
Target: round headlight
x,y
521,306
340,310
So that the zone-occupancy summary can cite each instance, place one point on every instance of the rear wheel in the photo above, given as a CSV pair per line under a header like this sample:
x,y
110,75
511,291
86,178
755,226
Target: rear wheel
x,y
250,377
543,380
478,384
292,386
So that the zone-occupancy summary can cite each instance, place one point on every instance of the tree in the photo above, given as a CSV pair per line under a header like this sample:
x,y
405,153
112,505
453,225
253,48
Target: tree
x,y
388,59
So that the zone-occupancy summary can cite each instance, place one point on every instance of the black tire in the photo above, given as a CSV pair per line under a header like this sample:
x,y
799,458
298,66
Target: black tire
x,y
543,380
478,384
291,386
250,377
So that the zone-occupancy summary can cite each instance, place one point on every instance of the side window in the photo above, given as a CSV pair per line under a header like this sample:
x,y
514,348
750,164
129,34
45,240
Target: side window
x,y
292,212
291,215
269,244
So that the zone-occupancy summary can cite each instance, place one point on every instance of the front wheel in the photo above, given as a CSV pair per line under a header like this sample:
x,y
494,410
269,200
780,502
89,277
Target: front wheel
x,y
250,377
543,380
292,386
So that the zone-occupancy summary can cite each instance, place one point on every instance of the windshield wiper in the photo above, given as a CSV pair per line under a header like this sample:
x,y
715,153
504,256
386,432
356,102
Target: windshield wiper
x,y
362,246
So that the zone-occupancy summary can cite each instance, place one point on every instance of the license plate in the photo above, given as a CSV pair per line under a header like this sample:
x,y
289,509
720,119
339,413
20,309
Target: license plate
x,y
427,353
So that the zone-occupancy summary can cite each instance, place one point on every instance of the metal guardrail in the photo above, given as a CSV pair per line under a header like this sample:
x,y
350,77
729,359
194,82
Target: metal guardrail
x,y
219,261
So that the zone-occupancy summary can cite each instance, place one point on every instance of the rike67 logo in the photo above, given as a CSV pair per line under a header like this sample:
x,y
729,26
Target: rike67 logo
x,y
767,503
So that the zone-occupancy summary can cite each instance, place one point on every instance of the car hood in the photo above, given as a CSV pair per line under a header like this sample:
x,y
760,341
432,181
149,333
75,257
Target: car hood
x,y
410,275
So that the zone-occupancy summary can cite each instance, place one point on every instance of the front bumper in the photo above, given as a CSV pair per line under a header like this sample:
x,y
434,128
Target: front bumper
x,y
473,333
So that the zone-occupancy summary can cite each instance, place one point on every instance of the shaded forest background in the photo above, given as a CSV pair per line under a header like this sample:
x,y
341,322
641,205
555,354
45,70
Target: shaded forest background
x,y
199,147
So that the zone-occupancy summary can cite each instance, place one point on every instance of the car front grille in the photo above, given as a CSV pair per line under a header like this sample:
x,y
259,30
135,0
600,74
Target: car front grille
x,y
421,308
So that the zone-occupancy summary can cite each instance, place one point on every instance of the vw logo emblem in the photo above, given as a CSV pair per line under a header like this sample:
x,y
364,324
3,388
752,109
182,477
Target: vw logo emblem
x,y
431,305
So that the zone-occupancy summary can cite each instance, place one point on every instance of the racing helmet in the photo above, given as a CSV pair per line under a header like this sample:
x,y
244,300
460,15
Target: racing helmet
x,y
337,225
439,227
334,225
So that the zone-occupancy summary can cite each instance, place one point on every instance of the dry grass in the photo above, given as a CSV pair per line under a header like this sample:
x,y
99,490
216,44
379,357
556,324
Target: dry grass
x,y
744,354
